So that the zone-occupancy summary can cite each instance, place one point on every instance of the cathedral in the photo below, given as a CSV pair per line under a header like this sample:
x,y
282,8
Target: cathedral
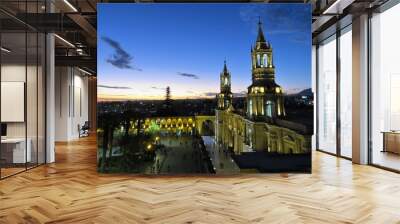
x,y
263,127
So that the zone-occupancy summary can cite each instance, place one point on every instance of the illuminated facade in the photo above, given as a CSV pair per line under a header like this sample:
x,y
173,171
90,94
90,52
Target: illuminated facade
x,y
265,97
202,125
224,98
263,127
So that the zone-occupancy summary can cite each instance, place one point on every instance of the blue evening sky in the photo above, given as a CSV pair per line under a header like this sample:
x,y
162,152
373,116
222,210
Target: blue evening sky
x,y
145,47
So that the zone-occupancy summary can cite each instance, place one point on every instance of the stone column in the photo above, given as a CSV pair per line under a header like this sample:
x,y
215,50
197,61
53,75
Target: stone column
x,y
50,98
360,90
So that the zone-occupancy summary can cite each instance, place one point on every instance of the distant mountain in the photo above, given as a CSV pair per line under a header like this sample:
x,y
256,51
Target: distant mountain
x,y
291,91
305,92
240,94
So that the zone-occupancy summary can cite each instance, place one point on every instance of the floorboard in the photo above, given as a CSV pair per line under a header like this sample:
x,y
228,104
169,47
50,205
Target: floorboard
x,y
71,191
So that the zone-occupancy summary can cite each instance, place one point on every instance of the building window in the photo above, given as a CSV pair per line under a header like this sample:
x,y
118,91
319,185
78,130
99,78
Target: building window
x,y
264,60
326,95
334,94
268,108
385,89
346,92
250,107
262,108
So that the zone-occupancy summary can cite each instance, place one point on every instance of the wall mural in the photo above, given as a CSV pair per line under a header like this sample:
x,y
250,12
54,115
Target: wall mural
x,y
204,88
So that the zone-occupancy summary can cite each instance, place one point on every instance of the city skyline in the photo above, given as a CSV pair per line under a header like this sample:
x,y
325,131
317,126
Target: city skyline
x,y
175,49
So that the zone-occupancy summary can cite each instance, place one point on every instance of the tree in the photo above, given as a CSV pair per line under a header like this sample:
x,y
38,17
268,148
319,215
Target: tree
x,y
168,100
108,122
103,124
167,107
154,128
127,116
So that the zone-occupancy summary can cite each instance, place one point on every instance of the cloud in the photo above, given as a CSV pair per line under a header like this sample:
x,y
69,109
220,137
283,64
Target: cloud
x,y
159,88
188,75
120,59
208,94
293,21
114,87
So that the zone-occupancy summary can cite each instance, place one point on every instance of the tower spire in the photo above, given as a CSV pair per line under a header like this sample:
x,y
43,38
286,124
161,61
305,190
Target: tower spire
x,y
260,36
225,95
225,68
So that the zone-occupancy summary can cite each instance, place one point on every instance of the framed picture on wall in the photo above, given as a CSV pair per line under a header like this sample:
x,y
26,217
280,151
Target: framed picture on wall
x,y
204,88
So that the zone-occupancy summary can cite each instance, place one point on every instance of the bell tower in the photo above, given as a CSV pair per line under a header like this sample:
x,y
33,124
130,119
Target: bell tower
x,y
265,97
225,96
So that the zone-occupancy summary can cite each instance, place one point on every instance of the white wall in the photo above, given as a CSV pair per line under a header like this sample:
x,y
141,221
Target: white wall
x,y
12,73
13,99
17,73
80,103
33,126
62,83
71,103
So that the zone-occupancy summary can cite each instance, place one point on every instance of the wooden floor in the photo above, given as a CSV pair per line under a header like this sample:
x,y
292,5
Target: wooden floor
x,y
71,191
5,172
